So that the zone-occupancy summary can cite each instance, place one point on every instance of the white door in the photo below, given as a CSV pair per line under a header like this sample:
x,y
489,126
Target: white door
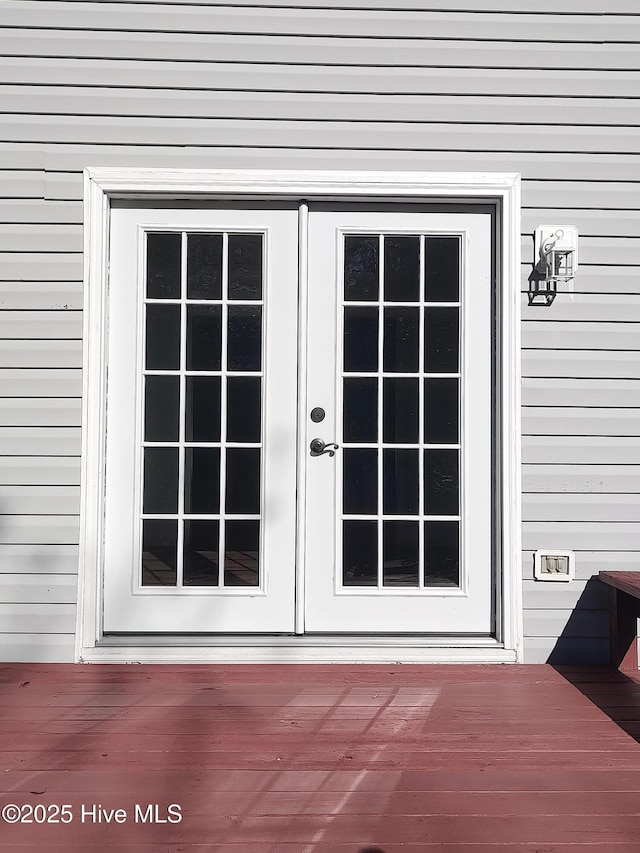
x,y
399,520
201,421
201,519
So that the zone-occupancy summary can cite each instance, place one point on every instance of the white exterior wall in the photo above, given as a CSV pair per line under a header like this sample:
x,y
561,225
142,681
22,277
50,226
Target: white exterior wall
x,y
549,89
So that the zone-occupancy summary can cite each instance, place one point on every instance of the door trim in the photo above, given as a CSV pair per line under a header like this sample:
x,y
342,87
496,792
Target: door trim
x,y
103,184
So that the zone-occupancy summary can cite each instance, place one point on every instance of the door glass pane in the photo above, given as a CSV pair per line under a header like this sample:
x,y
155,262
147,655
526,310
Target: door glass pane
x,y
164,252
361,275
401,478
244,412
202,408
401,340
245,266
202,480
441,340
441,553
442,269
401,419
441,411
204,266
441,482
360,553
204,337
159,552
411,421
244,342
201,550
162,337
243,481
360,482
161,408
360,409
360,340
160,491
401,269
401,550
241,555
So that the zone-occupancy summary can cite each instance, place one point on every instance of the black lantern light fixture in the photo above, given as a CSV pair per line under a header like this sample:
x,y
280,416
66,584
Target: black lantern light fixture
x,y
556,251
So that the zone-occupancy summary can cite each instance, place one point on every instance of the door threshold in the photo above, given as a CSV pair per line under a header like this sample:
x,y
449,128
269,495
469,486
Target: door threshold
x,y
299,649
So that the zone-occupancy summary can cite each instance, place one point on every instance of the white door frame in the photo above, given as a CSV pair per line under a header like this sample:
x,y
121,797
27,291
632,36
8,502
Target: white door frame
x,y
103,184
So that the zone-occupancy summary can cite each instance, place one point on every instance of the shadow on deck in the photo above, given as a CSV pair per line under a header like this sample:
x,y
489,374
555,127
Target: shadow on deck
x,y
616,694
321,758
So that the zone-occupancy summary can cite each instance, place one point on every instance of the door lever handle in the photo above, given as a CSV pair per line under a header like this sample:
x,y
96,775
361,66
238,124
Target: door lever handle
x,y
319,448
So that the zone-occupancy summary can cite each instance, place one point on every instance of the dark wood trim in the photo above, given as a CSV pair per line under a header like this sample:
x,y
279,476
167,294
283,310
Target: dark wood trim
x,y
624,610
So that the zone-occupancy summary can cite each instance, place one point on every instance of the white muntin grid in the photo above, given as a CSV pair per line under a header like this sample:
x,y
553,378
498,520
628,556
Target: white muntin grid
x,y
380,374
182,444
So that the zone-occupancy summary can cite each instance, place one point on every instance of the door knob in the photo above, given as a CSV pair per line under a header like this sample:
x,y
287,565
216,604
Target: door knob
x,y
318,447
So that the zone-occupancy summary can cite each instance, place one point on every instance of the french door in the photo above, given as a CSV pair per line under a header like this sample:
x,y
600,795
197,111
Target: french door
x,y
398,534
228,512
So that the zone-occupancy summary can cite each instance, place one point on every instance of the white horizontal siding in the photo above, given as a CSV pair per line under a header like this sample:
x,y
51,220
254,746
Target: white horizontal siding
x,y
49,353
20,560
582,364
551,335
37,648
33,411
40,325
587,651
180,53
567,623
548,89
40,441
51,266
18,618
577,479
340,22
38,589
589,307
621,168
27,211
583,594
40,470
576,507
553,391
41,382
547,420
581,450
582,535
22,184
370,135
39,530
290,106
554,7
590,223
41,238
40,295
40,500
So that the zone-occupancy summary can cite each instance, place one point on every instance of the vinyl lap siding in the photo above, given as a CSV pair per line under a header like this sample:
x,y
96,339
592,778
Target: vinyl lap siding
x,y
549,89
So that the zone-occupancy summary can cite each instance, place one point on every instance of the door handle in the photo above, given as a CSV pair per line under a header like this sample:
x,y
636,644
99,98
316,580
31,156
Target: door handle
x,y
318,447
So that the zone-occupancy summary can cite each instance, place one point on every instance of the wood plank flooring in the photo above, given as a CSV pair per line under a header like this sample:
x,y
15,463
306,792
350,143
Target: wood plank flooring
x,y
460,759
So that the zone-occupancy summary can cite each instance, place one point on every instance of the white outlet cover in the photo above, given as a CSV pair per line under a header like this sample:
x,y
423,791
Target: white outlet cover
x,y
554,565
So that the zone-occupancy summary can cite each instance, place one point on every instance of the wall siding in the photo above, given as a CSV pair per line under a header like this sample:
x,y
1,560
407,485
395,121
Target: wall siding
x,y
549,89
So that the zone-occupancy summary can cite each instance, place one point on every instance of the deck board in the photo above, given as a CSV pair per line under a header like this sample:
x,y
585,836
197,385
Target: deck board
x,y
463,759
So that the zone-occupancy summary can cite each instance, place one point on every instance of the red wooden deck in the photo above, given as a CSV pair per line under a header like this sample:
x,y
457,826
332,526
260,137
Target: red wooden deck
x,y
460,759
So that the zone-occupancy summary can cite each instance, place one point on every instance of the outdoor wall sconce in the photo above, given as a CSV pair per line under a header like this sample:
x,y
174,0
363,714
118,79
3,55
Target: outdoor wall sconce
x,y
556,251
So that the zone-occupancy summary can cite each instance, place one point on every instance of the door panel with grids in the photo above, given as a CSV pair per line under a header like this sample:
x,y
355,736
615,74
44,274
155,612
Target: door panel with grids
x,y
398,527
201,422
